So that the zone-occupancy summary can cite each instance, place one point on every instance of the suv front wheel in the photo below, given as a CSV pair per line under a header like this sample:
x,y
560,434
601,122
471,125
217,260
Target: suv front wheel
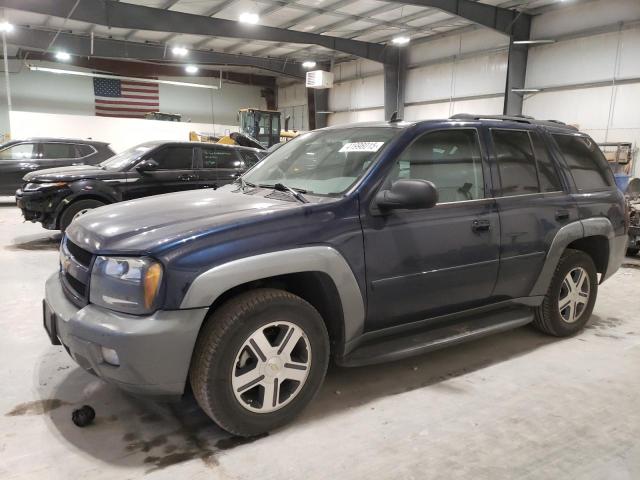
x,y
259,360
571,297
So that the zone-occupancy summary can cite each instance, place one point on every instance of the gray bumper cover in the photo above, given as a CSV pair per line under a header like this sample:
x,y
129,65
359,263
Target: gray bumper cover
x,y
154,351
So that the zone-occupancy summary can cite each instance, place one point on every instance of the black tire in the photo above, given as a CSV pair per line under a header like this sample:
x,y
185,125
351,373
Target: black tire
x,y
548,318
76,207
632,252
222,337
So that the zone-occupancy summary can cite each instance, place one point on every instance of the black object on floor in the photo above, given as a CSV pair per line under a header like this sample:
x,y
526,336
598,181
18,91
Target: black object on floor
x,y
83,416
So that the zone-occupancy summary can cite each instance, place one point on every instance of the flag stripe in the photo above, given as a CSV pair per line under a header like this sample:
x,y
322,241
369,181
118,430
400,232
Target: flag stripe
x,y
116,102
124,98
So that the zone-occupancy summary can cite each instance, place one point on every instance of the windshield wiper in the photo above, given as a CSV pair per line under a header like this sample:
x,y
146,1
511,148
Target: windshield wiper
x,y
295,192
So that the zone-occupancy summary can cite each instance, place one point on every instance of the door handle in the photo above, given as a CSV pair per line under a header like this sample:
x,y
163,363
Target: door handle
x,y
187,178
562,214
481,225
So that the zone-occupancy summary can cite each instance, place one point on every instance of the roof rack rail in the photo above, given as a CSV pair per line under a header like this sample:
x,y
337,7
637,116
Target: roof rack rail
x,y
513,118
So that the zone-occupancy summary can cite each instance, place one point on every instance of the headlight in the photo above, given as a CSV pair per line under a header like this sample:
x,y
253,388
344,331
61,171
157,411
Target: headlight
x,y
126,284
32,187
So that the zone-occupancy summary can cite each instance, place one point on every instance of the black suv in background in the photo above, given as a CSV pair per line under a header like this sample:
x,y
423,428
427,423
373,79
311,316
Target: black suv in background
x,y
19,157
56,196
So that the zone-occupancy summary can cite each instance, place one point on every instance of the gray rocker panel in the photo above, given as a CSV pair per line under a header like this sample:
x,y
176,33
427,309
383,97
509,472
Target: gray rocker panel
x,y
208,286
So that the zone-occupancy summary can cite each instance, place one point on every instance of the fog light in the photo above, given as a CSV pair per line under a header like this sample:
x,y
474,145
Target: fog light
x,y
110,356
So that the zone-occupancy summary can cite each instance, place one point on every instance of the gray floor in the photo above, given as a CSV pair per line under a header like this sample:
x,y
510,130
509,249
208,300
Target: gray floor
x,y
516,405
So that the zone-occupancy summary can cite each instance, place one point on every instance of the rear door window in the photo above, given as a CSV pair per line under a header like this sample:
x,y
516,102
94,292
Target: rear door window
x,y
214,157
516,162
249,158
84,150
56,150
174,158
587,163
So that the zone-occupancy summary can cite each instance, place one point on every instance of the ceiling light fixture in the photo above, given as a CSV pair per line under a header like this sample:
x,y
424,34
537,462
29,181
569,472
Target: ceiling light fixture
x,y
401,39
248,17
526,90
179,51
191,69
6,27
309,64
62,55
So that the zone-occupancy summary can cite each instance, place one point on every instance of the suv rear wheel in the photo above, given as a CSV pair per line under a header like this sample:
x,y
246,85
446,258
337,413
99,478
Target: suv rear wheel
x,y
77,209
259,360
571,297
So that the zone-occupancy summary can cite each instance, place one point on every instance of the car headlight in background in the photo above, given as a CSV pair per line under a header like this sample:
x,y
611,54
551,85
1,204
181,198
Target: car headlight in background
x,y
33,187
126,284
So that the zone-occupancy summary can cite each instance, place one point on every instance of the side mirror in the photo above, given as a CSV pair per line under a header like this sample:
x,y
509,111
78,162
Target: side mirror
x,y
147,165
408,194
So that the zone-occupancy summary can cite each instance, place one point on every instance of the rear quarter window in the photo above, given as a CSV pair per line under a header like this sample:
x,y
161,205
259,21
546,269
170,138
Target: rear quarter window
x,y
588,166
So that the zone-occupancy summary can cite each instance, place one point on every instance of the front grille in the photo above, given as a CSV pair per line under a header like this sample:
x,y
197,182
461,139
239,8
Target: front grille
x,y
81,255
75,267
77,285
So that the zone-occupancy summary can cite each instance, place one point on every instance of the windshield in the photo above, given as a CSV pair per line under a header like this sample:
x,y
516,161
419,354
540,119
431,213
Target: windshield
x,y
326,162
126,158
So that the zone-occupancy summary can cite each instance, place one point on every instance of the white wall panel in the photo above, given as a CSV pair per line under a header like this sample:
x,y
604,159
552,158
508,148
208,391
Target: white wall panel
x,y
630,54
355,68
444,47
480,75
429,83
362,93
121,133
345,118
626,111
293,103
581,16
486,106
581,60
587,108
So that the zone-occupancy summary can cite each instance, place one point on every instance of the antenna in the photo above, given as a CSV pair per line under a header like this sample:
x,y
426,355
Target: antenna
x,y
394,118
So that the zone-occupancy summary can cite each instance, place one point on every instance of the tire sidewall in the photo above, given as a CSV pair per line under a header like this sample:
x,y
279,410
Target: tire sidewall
x,y
223,401
575,260
68,213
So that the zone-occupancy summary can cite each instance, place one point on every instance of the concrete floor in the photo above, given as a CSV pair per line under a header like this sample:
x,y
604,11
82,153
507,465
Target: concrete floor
x,y
518,405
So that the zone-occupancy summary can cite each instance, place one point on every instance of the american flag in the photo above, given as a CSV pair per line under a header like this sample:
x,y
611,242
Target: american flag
x,y
125,98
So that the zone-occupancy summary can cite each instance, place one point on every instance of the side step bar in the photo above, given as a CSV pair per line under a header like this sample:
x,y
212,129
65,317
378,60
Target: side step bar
x,y
404,345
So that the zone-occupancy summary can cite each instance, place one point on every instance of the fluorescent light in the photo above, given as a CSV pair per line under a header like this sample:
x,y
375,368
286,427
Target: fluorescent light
x,y
248,17
6,27
179,51
309,64
401,40
526,90
532,42
64,56
119,77
191,69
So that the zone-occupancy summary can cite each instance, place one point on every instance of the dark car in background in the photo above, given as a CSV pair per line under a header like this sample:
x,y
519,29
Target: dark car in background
x,y
56,196
19,157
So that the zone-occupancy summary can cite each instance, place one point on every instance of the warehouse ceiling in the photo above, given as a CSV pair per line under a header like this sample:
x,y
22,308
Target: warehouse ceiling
x,y
370,21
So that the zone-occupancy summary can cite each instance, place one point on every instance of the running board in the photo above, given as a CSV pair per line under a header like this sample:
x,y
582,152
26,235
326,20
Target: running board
x,y
400,346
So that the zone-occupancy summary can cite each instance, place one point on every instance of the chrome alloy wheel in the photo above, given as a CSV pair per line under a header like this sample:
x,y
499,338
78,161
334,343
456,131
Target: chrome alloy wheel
x,y
574,295
271,367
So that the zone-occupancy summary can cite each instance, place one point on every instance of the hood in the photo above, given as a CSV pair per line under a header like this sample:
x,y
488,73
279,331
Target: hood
x,y
68,174
148,224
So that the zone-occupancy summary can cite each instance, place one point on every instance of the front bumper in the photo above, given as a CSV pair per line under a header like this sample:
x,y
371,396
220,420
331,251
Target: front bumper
x,y
38,206
154,351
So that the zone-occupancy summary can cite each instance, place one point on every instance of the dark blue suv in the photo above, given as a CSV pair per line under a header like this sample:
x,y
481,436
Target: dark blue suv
x,y
363,243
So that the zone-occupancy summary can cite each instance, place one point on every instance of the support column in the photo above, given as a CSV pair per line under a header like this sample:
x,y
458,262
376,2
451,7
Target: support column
x,y
320,105
517,67
395,79
516,77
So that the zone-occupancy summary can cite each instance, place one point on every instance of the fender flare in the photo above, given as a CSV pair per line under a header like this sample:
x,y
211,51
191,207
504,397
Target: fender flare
x,y
209,285
571,232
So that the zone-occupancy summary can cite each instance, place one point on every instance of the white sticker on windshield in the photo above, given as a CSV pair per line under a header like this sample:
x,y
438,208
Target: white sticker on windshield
x,y
362,147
